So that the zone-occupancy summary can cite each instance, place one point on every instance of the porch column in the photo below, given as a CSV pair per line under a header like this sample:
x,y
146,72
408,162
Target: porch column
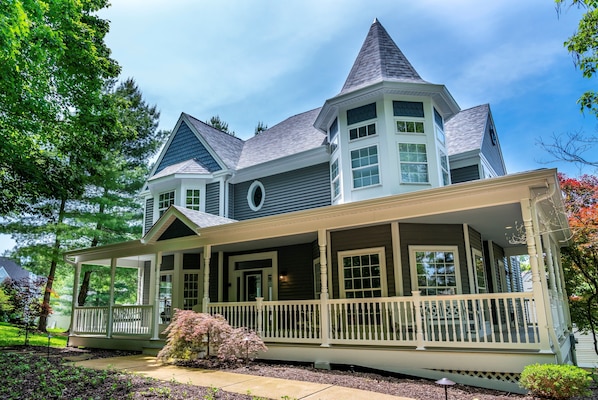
x,y
75,296
324,317
549,260
207,255
156,319
537,289
111,303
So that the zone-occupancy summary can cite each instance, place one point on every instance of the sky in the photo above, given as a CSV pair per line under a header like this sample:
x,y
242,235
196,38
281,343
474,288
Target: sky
x,y
251,61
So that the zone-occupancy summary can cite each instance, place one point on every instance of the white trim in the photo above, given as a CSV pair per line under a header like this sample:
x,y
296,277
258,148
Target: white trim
x,y
317,278
476,252
250,193
396,255
468,257
380,251
413,265
234,274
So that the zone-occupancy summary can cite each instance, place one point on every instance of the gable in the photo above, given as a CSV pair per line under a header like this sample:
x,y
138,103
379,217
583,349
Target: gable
x,y
186,146
176,230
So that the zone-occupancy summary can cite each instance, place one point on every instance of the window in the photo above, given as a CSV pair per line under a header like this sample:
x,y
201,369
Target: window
x,y
480,272
404,126
439,127
362,273
408,109
165,200
364,165
435,270
444,167
190,290
165,298
256,195
332,136
193,200
362,131
360,114
414,162
336,181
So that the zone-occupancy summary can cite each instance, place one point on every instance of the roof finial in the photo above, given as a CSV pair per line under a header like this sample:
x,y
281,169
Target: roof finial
x,y
375,21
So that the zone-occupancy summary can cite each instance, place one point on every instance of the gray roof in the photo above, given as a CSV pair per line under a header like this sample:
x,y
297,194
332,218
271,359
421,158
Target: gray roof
x,y
465,131
293,135
13,269
379,59
228,147
185,167
203,220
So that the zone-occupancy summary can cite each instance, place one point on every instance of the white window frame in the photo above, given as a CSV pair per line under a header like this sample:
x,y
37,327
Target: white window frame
x,y
171,200
363,167
409,163
366,125
335,179
196,207
250,194
185,290
380,251
413,264
477,255
163,307
410,122
444,172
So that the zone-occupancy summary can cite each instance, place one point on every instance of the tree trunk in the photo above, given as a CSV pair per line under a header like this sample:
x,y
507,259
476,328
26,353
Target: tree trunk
x,y
84,289
43,318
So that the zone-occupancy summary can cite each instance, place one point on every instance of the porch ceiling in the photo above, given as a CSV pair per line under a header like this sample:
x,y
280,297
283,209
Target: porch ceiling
x,y
268,243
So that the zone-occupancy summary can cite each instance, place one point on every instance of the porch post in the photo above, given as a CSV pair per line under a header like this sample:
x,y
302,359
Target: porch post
x,y
324,316
549,260
207,254
419,326
537,289
75,297
156,319
111,304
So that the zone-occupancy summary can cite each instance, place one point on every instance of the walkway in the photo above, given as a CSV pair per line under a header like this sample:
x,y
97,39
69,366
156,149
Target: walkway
x,y
272,388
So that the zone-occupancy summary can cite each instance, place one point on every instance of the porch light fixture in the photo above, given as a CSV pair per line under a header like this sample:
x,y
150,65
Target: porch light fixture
x,y
283,276
446,383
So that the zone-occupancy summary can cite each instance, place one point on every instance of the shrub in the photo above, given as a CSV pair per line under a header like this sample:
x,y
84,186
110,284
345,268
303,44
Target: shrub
x,y
555,381
192,334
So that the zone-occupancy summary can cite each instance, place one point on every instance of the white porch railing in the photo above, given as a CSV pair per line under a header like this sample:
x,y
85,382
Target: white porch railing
x,y
499,320
126,320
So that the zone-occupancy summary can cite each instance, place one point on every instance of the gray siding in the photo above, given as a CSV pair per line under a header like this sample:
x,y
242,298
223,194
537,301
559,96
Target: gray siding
x,y
362,238
432,235
465,174
475,239
186,146
149,215
147,270
492,152
292,191
231,201
213,198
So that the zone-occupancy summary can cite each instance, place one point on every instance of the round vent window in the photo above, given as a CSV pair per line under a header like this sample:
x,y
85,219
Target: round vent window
x,y
256,196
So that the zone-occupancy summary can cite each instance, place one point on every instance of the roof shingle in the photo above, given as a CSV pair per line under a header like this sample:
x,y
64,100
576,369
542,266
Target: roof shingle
x,y
465,131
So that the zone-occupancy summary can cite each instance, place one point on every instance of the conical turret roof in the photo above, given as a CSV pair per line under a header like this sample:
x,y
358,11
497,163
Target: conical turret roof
x,y
379,59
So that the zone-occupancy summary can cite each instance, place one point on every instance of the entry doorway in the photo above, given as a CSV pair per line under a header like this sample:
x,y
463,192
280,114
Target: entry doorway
x,y
251,276
253,285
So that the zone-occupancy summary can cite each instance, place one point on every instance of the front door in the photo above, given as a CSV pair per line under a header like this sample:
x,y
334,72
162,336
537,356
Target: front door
x,y
253,285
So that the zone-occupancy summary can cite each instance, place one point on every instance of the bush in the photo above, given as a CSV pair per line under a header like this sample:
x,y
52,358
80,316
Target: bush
x,y
191,335
555,381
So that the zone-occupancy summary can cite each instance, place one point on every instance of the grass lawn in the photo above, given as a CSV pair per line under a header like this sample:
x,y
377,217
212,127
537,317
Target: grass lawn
x,y
10,336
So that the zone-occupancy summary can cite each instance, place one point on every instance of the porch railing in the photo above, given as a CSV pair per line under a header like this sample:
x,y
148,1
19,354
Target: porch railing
x,y
498,320
126,320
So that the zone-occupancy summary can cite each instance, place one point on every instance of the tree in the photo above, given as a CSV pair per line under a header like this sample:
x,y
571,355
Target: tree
x,y
260,127
216,122
580,259
53,65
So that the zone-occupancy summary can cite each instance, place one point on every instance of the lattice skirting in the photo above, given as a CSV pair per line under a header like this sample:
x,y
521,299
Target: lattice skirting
x,y
510,377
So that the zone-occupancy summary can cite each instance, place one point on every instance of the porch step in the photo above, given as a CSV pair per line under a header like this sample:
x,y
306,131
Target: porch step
x,y
153,348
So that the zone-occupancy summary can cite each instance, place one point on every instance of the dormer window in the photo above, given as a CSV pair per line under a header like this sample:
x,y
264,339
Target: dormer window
x,y
165,200
193,200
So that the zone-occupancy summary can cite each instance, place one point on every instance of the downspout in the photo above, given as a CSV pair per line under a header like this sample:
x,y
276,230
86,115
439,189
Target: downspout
x,y
544,286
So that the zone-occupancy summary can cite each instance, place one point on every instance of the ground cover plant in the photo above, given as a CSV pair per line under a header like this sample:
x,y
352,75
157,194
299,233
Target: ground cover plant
x,y
556,381
11,335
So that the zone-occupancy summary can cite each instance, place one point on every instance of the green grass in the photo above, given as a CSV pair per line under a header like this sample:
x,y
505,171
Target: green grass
x,y
10,336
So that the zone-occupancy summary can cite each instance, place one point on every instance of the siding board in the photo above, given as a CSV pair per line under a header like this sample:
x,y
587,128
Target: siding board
x,y
149,215
213,198
465,174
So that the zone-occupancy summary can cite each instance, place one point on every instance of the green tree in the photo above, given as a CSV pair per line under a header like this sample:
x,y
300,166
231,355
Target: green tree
x,y
53,117
216,122
260,127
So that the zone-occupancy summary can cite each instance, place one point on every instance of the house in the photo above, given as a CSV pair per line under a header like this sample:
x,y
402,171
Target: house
x,y
378,230
10,269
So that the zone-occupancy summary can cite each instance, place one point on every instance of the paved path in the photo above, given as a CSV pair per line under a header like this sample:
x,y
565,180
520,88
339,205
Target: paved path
x,y
272,388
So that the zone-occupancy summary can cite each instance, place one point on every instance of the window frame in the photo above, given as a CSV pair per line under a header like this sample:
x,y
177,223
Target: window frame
x,y
171,201
335,179
363,167
409,163
364,124
413,249
477,254
196,207
380,252
251,196
444,172
408,120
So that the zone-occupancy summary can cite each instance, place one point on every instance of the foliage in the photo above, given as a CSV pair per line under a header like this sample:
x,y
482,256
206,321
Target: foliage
x,y
216,122
260,127
54,119
580,259
556,381
11,335
6,305
192,334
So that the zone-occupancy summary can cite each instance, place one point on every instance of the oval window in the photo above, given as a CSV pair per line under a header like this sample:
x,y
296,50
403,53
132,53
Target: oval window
x,y
256,196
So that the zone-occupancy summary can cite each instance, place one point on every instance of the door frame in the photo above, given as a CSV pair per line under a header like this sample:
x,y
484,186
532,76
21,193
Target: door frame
x,y
239,275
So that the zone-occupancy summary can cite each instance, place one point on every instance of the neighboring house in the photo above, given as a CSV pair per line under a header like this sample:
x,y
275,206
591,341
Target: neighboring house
x,y
378,230
12,270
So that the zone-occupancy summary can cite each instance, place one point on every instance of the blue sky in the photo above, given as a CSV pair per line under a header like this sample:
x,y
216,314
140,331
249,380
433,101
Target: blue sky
x,y
250,61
